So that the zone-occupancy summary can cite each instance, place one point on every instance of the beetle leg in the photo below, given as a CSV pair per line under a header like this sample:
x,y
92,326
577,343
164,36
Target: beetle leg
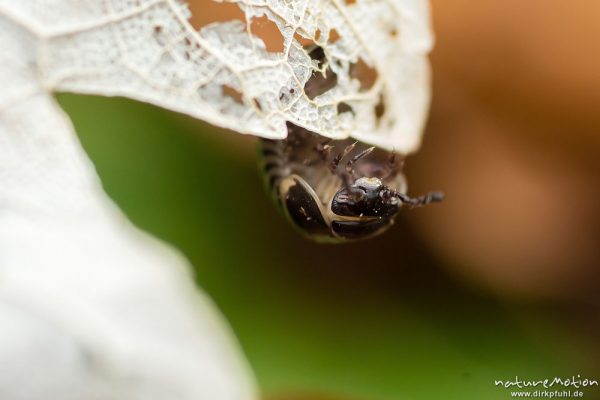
x,y
353,192
323,150
336,160
391,169
347,178
391,163
353,160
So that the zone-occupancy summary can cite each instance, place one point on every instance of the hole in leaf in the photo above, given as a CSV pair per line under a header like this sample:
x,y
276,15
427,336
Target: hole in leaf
x,y
318,54
379,109
334,36
268,31
305,42
208,11
366,75
205,12
319,83
318,35
233,93
344,108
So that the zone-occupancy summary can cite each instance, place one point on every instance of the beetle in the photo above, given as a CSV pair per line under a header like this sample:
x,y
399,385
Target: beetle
x,y
336,190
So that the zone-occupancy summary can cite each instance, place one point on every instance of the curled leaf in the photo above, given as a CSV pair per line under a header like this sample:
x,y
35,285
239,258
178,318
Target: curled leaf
x,y
249,72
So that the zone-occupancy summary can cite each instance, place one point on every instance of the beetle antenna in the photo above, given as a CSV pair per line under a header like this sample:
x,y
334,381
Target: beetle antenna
x,y
432,197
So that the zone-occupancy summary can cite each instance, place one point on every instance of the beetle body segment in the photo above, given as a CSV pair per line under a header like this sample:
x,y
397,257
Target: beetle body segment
x,y
328,193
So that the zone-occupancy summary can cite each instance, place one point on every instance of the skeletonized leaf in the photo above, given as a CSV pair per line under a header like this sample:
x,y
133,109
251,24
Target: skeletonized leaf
x,y
225,74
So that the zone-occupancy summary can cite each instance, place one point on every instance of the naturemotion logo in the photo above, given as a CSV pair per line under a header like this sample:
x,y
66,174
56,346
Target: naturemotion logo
x,y
564,387
573,382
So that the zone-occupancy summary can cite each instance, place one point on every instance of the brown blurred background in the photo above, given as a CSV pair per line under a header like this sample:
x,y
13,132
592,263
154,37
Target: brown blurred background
x,y
514,140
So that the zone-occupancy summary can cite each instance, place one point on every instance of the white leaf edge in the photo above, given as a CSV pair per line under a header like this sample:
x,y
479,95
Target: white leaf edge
x,y
90,307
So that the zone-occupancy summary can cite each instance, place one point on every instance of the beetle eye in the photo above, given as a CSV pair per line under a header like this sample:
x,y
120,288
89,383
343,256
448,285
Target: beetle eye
x,y
358,194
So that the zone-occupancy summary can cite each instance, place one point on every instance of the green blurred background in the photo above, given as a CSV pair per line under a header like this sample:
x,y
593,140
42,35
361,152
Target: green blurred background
x,y
380,319
502,279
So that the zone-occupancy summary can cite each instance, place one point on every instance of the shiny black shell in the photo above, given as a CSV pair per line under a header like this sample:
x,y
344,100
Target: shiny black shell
x,y
304,186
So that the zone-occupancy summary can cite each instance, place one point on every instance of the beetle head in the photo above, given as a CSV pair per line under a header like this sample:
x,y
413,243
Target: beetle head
x,y
367,197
